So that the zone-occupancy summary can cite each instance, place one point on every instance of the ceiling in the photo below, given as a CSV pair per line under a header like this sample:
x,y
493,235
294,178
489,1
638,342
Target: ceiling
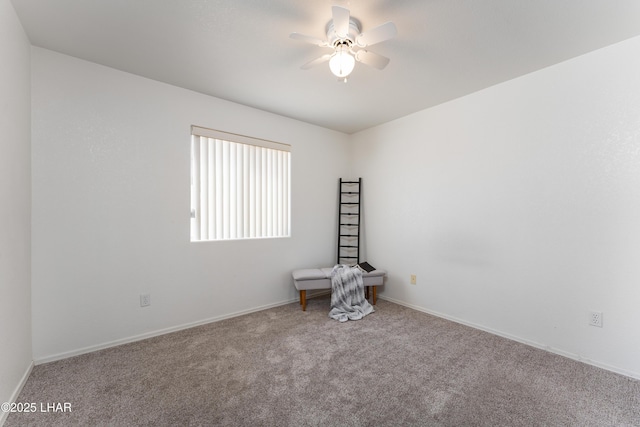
x,y
240,50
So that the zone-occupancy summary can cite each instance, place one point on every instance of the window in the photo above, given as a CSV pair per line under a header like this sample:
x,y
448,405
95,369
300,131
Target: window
x,y
240,187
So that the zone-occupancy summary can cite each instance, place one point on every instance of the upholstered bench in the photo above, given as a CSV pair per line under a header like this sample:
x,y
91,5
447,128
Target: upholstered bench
x,y
320,278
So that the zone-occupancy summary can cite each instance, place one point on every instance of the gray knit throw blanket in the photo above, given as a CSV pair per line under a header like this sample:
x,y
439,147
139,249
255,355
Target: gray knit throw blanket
x,y
347,294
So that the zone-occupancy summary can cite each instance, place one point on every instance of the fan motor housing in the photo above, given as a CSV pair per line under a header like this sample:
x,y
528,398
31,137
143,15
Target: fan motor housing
x,y
335,40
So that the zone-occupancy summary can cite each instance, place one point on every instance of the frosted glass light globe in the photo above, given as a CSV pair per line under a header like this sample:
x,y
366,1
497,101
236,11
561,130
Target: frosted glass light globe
x,y
342,63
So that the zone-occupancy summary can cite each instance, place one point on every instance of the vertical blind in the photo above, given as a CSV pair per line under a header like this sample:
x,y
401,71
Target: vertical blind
x,y
240,186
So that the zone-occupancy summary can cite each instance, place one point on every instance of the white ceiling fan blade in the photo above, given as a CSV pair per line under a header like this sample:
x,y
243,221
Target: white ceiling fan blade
x,y
340,21
378,34
320,60
373,59
308,39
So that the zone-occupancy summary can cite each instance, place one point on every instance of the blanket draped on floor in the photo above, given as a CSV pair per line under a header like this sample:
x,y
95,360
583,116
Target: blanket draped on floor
x,y
347,294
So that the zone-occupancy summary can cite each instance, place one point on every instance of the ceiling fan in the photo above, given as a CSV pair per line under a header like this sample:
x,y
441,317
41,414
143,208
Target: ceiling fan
x,y
348,43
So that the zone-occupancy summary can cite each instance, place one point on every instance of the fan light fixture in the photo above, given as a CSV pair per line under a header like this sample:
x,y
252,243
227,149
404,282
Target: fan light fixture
x,y
342,62
348,43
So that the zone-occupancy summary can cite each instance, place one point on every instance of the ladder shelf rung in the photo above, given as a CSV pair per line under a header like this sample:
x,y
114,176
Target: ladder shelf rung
x,y
349,232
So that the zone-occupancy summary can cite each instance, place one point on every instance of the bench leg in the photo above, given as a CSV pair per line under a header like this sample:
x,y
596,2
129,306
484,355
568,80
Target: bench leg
x,y
303,300
366,292
375,294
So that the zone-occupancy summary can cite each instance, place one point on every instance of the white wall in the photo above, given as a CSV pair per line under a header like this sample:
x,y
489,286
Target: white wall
x,y
518,207
111,208
15,205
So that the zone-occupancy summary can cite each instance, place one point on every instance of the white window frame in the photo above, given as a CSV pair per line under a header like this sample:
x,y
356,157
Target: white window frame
x,y
240,187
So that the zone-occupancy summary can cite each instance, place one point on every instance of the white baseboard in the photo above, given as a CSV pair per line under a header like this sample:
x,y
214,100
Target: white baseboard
x,y
550,349
78,352
90,349
16,392
318,293
152,334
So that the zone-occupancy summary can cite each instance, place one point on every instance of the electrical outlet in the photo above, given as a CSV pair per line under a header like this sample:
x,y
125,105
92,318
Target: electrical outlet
x,y
413,279
595,318
145,300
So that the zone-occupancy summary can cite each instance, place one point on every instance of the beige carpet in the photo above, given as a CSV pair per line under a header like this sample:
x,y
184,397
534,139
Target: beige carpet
x,y
285,367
